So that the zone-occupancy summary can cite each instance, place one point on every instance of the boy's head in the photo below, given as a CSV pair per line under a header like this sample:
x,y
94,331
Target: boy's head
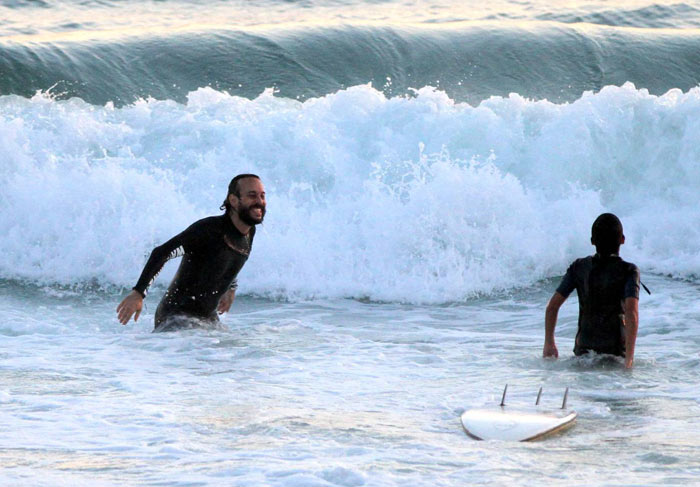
x,y
606,234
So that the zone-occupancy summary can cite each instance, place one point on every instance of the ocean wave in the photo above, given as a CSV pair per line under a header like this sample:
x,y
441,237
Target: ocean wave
x,y
415,199
653,16
470,61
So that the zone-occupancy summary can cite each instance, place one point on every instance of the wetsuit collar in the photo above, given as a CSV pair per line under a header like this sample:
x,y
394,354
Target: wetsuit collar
x,y
230,226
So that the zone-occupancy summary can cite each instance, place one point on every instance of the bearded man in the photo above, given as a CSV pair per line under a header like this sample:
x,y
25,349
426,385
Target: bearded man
x,y
213,252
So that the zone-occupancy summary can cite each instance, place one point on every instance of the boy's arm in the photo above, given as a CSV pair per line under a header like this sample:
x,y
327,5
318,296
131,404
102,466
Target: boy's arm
x,y
631,327
550,323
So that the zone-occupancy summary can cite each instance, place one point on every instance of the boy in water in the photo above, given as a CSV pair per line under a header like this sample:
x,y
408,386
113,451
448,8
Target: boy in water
x,y
608,293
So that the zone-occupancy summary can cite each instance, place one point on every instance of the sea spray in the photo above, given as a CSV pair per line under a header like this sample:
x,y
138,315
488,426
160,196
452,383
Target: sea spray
x,y
413,199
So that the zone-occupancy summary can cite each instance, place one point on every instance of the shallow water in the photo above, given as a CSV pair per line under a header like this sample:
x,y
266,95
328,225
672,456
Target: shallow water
x,y
337,393
432,167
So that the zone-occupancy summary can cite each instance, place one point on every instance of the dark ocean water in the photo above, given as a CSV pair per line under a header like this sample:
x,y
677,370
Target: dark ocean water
x,y
122,51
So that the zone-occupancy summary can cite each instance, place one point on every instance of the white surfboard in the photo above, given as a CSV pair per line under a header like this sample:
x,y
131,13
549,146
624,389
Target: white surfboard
x,y
516,423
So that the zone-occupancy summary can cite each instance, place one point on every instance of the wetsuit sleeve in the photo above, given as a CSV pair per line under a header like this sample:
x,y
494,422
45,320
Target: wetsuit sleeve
x,y
568,282
632,283
175,247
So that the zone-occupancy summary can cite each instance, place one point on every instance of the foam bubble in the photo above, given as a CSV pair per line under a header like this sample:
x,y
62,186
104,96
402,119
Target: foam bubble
x,y
416,199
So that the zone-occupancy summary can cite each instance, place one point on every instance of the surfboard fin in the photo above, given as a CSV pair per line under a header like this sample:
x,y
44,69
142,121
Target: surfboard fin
x,y
539,397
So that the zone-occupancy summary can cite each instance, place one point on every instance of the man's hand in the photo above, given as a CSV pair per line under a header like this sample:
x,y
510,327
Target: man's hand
x,y
226,301
132,303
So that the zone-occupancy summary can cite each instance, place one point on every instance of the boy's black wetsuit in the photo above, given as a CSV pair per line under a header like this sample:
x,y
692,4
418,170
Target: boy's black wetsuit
x,y
603,283
213,251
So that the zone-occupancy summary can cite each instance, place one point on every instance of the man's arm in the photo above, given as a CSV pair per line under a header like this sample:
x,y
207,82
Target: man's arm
x,y
159,256
631,327
133,302
550,323
227,298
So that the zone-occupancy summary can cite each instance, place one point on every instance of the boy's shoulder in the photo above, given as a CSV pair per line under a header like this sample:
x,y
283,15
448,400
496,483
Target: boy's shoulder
x,y
586,263
627,265
630,267
582,262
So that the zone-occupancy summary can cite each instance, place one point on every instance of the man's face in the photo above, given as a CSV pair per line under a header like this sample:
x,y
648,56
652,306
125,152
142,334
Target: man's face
x,y
250,205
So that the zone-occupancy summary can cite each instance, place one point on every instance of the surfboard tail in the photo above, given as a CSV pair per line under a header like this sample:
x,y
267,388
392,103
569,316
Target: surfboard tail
x,y
517,423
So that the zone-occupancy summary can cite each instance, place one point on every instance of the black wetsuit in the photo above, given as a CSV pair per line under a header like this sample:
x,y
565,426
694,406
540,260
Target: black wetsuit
x,y
213,251
603,283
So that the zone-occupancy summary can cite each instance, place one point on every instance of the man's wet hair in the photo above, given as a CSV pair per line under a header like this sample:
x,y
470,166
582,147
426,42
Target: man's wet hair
x,y
234,189
606,234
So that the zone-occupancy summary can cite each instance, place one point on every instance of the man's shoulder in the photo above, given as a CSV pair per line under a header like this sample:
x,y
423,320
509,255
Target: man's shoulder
x,y
209,221
205,226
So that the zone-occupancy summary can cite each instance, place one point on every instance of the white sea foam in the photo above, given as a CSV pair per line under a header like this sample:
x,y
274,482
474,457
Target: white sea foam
x,y
411,199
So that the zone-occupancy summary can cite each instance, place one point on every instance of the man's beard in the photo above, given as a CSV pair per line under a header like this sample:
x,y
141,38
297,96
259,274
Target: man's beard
x,y
247,218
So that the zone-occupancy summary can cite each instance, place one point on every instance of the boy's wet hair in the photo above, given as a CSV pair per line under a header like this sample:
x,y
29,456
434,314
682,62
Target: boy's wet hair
x,y
234,189
606,234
